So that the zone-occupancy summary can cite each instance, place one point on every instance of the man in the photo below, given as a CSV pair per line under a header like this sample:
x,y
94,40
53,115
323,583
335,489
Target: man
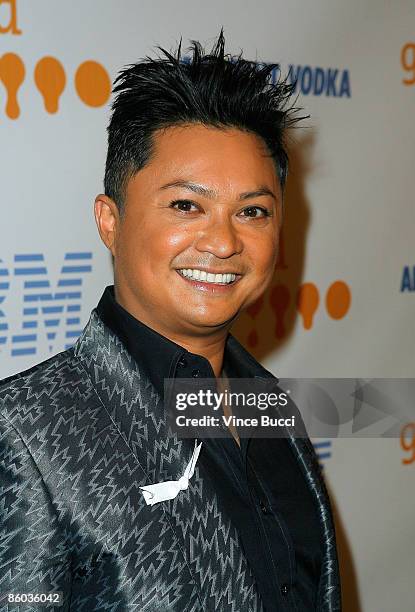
x,y
191,214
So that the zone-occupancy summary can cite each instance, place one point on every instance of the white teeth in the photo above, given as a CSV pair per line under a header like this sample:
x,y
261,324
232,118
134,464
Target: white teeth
x,y
207,277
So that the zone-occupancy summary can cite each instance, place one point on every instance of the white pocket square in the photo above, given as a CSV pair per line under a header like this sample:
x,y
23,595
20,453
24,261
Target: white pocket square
x,y
162,491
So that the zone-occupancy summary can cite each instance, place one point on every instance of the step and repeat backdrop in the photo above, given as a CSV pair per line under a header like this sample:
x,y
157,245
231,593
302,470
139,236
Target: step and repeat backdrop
x,y
342,301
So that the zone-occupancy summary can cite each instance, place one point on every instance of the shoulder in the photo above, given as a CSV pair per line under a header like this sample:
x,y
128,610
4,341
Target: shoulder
x,y
32,393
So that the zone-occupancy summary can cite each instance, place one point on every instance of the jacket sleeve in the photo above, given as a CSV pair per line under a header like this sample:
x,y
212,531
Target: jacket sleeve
x,y
33,556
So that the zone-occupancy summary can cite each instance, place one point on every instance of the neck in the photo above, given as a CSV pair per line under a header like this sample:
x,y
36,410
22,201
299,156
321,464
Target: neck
x,y
209,344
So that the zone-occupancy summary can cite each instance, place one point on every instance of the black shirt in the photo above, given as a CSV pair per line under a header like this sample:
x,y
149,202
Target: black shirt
x,y
260,483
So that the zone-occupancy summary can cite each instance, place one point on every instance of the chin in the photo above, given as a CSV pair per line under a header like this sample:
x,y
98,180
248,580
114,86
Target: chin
x,y
213,320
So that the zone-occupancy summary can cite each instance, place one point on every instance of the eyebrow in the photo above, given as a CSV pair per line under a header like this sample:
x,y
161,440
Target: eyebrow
x,y
210,193
262,191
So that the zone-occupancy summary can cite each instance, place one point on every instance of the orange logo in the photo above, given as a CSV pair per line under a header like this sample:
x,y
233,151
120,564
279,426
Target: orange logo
x,y
50,79
12,74
277,309
92,82
9,27
308,299
338,301
408,63
408,442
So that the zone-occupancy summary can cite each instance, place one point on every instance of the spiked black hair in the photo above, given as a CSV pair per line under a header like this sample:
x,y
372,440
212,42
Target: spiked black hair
x,y
213,89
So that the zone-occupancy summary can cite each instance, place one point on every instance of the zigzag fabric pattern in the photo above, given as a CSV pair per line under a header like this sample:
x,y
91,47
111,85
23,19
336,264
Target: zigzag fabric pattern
x,y
79,434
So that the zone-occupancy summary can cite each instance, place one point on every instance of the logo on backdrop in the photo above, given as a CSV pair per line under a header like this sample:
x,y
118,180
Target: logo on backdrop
x,y
306,300
408,279
49,309
408,63
330,82
408,443
91,82
323,450
8,17
282,300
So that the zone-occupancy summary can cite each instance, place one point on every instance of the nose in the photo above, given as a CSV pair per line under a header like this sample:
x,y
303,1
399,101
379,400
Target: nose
x,y
220,238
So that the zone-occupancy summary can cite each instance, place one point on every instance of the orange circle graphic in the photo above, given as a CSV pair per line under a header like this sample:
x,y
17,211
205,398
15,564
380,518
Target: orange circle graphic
x,y
338,299
92,83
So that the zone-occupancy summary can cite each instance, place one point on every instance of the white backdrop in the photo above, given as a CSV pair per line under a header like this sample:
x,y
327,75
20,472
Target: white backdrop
x,y
349,221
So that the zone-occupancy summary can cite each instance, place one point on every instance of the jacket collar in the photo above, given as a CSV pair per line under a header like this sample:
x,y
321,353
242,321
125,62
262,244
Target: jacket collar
x,y
160,354
210,541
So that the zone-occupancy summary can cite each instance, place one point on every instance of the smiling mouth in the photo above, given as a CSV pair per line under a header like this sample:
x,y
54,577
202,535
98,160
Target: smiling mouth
x,y
194,274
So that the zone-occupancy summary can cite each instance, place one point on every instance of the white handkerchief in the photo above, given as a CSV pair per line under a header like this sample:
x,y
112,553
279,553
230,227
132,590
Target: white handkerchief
x,y
162,491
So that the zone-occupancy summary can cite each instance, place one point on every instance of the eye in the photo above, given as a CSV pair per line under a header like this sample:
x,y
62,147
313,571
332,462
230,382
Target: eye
x,y
183,205
256,212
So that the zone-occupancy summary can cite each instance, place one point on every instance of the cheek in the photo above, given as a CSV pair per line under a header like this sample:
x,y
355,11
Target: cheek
x,y
170,241
177,239
153,246
263,253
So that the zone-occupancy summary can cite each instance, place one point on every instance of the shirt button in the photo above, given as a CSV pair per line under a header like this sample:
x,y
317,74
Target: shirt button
x,y
196,373
284,589
263,507
182,362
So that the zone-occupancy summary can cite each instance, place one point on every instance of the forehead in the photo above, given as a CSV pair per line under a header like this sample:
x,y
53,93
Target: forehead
x,y
225,160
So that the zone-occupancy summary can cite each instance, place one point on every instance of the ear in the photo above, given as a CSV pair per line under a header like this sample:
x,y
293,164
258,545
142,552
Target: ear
x,y
107,218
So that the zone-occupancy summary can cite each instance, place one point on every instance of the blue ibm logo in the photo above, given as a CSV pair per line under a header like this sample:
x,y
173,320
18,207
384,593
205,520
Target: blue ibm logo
x,y
47,308
323,450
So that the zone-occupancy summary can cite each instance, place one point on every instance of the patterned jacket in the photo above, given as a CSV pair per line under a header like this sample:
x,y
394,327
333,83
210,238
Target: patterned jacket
x,y
79,434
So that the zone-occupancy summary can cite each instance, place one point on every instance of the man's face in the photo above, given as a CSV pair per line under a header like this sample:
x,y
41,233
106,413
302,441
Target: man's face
x,y
208,203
